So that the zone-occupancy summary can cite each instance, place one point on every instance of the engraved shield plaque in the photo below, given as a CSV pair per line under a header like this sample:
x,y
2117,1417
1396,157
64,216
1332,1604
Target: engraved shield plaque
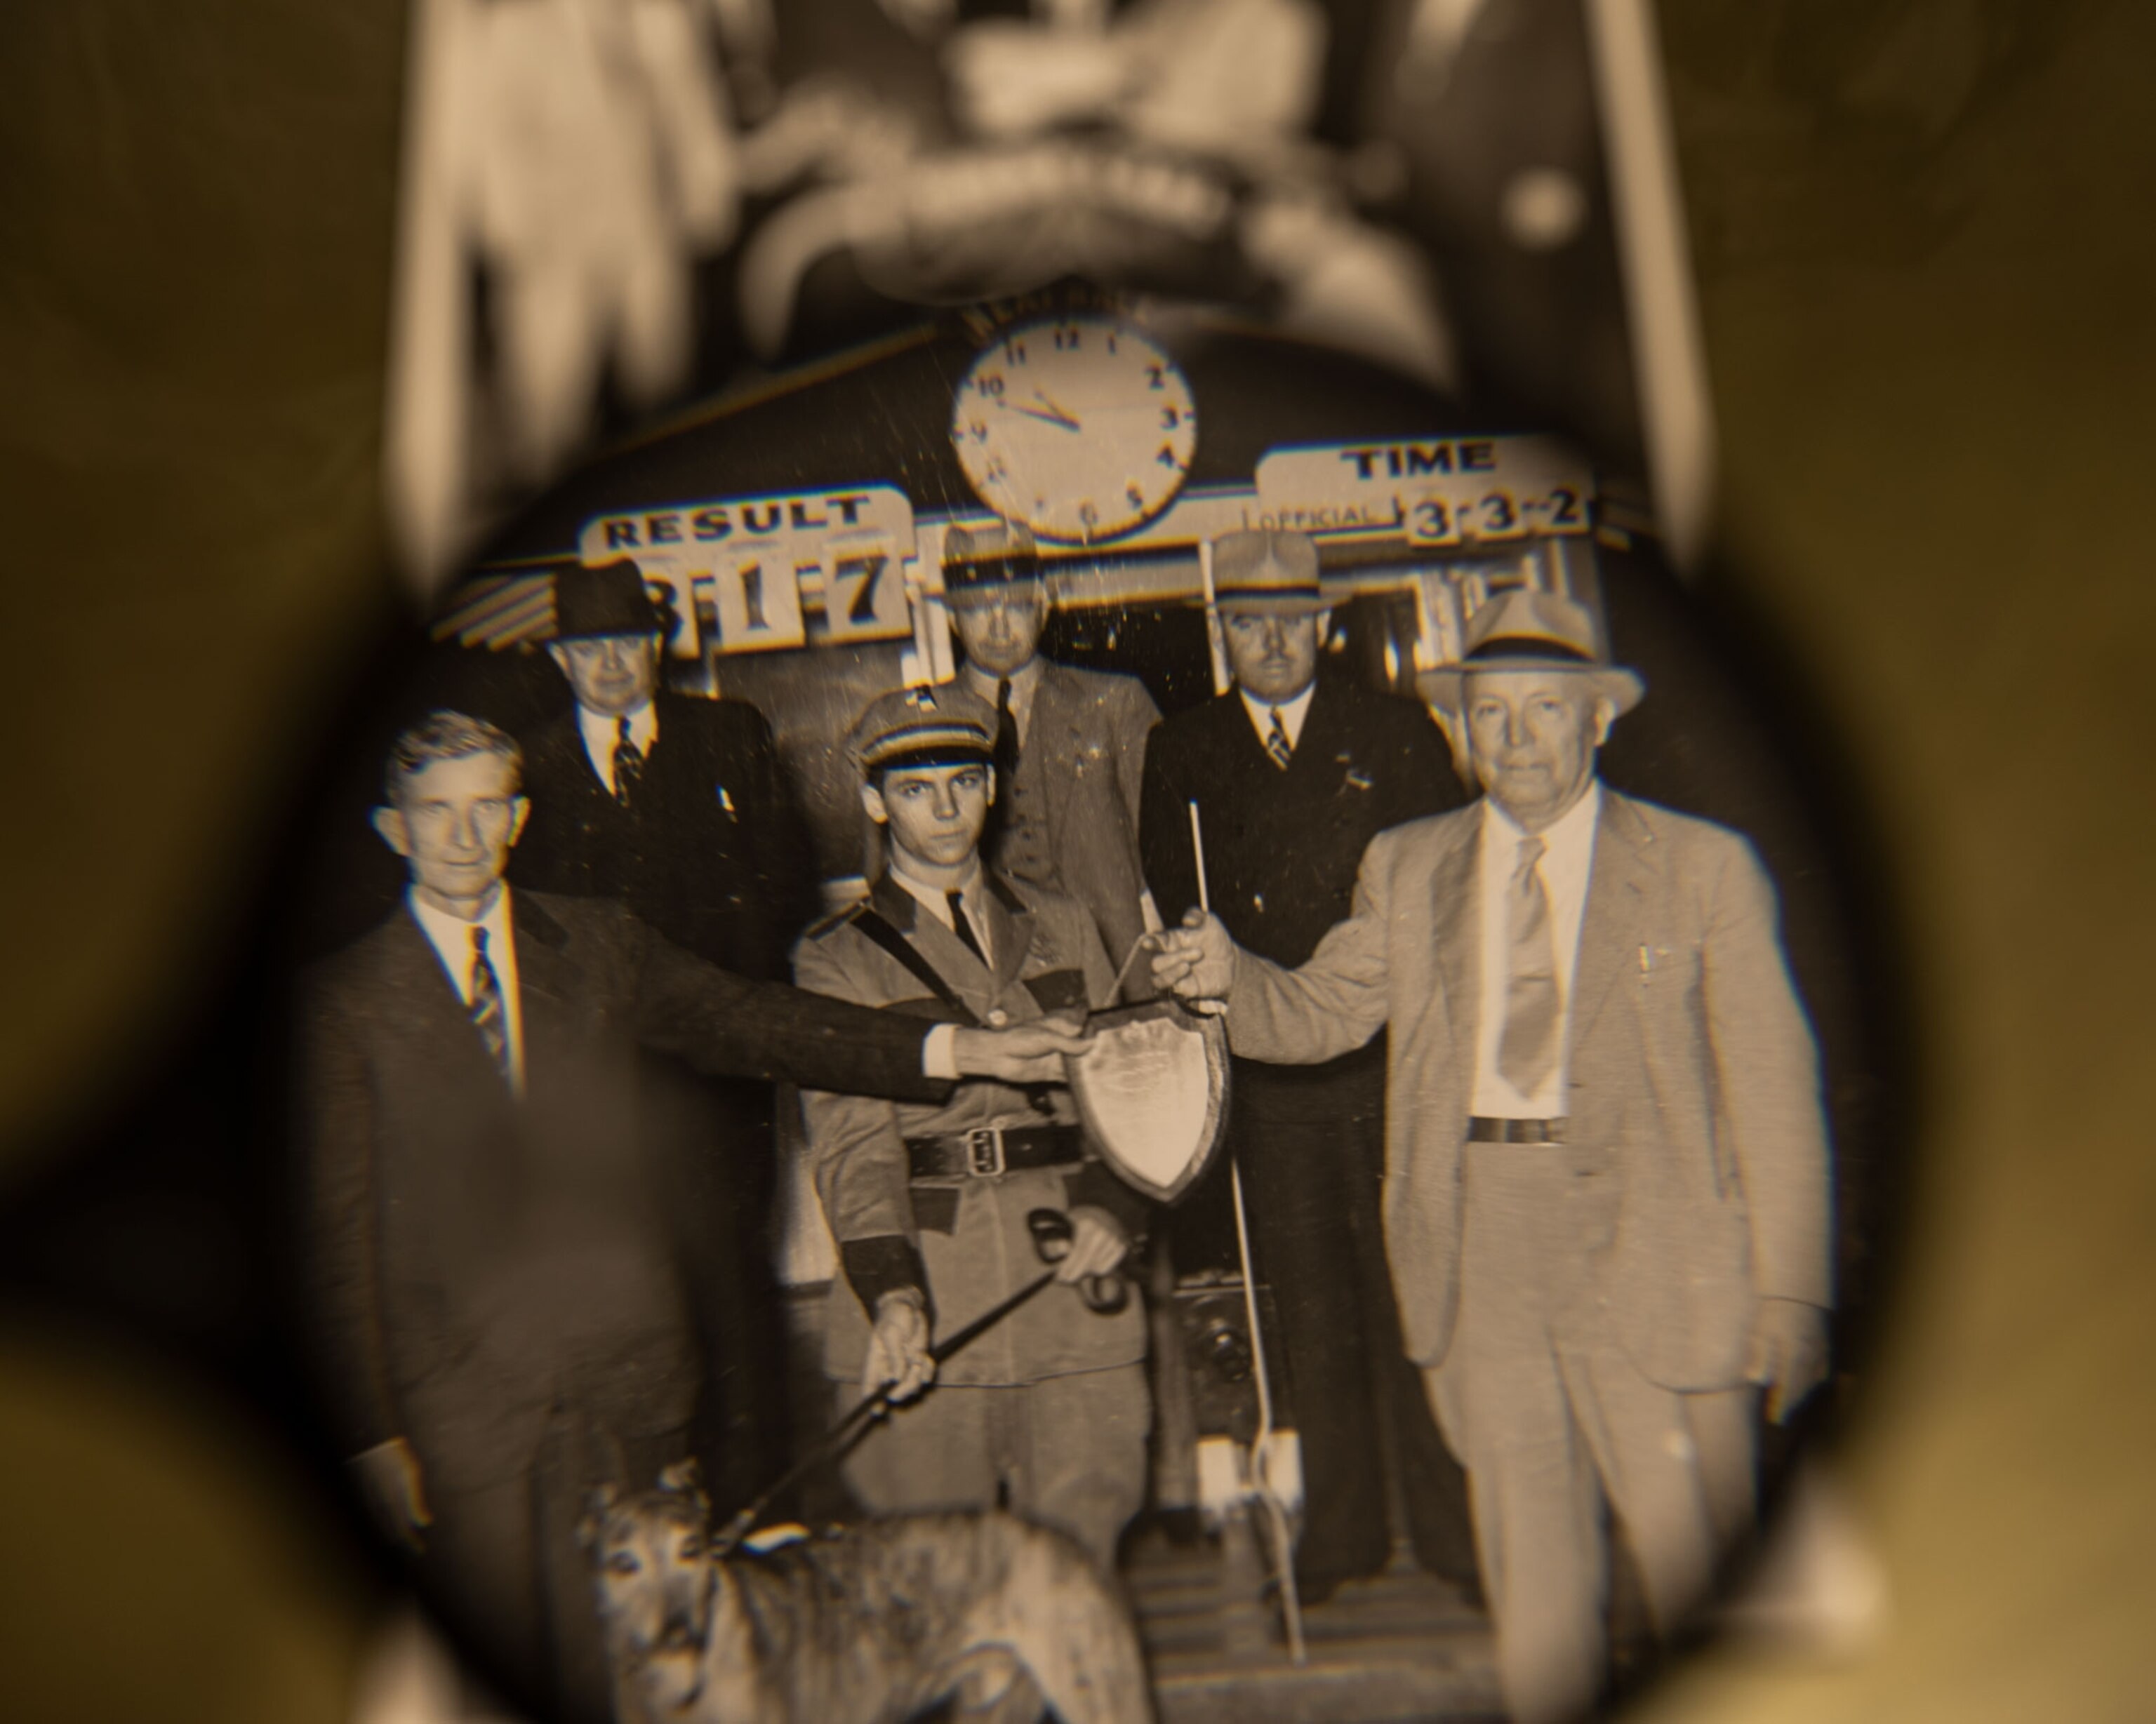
x,y
1153,1090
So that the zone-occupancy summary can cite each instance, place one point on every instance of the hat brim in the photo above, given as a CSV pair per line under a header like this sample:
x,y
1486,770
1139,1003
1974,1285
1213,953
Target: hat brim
x,y
1273,604
933,754
985,593
1624,688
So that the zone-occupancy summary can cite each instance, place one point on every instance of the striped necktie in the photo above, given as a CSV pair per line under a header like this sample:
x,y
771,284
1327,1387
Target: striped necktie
x,y
489,1016
1277,744
1528,1047
627,764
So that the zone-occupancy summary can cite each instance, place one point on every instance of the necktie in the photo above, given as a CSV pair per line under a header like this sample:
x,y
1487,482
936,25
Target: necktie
x,y
489,1016
1528,1047
627,764
1277,744
962,928
1006,756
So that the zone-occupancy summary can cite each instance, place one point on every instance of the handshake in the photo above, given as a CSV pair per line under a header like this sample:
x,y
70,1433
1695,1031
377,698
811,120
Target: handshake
x,y
1195,962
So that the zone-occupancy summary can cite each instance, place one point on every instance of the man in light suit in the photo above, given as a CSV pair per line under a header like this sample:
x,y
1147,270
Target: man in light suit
x,y
1606,1198
493,1242
1071,743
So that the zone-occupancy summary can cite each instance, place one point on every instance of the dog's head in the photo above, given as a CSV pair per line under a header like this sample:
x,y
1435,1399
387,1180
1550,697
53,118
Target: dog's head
x,y
657,1581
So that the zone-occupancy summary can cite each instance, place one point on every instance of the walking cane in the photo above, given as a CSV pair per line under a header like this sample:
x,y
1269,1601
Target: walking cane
x,y
1051,1231
1261,1444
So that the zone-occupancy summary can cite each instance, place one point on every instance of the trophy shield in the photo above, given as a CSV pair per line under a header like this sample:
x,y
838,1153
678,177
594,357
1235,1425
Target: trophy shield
x,y
1152,1092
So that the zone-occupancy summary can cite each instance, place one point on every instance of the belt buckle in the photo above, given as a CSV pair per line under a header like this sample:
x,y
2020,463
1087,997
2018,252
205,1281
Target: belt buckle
x,y
984,1151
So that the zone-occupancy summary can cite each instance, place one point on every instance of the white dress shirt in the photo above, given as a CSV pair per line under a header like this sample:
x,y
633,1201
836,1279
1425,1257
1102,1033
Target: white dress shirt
x,y
1292,714
1025,684
1568,858
451,937
932,900
601,732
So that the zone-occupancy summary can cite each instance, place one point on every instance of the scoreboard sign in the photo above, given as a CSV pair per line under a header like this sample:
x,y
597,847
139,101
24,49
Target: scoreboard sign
x,y
1430,491
759,565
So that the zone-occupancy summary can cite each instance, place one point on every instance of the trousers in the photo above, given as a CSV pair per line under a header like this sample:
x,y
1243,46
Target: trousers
x,y
506,1559
1559,1431
1067,1452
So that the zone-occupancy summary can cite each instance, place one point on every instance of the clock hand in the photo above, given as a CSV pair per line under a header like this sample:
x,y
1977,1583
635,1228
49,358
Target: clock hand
x,y
1055,415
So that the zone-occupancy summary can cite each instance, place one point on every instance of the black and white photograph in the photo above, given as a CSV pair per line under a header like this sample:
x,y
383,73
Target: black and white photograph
x,y
1217,861
1092,1012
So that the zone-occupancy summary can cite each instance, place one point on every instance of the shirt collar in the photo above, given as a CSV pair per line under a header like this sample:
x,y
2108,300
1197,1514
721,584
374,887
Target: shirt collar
x,y
1573,827
1292,712
451,935
601,731
1022,681
932,897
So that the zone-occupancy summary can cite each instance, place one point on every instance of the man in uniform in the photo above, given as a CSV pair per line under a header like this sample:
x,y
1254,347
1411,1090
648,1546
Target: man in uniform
x,y
675,806
1293,773
492,1236
934,1207
1607,1173
1070,743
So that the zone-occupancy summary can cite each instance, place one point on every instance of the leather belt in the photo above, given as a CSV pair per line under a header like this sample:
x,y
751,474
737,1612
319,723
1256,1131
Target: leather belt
x,y
988,1151
1487,1131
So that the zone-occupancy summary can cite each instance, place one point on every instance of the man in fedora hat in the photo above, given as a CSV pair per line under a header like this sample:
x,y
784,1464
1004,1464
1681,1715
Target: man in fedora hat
x,y
933,1207
1070,742
675,806
1607,1173
1294,771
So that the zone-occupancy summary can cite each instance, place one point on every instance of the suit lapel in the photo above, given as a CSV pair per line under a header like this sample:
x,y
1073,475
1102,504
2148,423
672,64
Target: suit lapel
x,y
1609,927
1456,927
547,978
949,956
1010,932
425,1002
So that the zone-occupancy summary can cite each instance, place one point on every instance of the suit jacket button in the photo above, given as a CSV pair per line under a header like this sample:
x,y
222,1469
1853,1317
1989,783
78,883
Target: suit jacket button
x,y
998,1017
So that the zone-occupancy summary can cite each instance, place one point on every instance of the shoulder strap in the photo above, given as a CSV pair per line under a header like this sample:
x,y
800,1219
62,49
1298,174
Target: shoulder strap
x,y
897,944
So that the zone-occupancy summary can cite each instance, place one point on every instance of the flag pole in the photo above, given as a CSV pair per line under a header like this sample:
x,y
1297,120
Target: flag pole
x,y
1261,1444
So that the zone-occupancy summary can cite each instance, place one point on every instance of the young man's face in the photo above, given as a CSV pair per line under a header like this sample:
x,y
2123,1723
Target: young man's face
x,y
1000,628
934,814
612,674
454,822
1274,657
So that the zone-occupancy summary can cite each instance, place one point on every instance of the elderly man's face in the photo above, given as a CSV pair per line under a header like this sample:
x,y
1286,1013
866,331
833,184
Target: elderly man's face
x,y
1274,657
1534,734
612,674
454,822
1000,627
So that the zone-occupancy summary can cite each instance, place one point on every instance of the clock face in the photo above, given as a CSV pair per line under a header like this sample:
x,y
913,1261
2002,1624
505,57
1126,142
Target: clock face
x,y
1082,428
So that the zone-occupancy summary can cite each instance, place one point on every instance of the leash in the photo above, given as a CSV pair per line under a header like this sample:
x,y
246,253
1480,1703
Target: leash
x,y
1104,1295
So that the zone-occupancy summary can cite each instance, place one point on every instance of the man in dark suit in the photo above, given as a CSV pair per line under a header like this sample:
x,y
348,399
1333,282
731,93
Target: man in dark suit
x,y
1293,773
1071,743
675,806
496,1289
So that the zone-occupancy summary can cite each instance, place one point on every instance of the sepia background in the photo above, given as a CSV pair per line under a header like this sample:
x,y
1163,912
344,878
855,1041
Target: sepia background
x,y
1928,281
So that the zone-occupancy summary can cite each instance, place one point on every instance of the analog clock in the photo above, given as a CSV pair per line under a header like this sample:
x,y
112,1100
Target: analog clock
x,y
1080,427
